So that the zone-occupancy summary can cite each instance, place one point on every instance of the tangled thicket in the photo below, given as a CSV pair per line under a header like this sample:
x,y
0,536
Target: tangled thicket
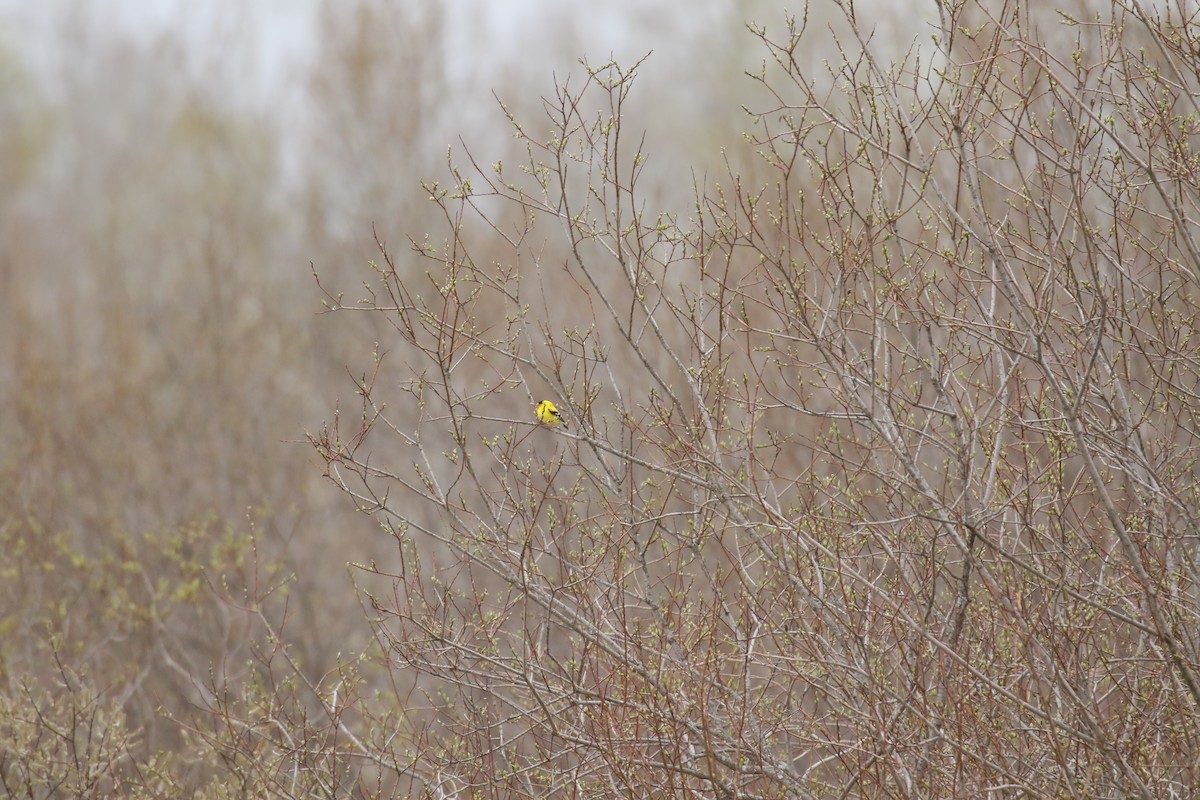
x,y
882,482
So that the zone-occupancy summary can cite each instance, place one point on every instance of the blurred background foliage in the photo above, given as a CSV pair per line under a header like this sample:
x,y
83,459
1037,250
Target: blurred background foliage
x,y
164,198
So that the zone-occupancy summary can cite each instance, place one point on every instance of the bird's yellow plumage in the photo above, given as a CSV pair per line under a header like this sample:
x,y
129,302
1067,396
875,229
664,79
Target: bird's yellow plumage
x,y
547,414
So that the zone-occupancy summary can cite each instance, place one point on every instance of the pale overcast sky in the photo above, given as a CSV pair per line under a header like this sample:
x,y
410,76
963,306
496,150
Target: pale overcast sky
x,y
271,36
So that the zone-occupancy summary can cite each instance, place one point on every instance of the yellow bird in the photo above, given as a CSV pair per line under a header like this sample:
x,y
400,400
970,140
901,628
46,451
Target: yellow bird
x,y
548,414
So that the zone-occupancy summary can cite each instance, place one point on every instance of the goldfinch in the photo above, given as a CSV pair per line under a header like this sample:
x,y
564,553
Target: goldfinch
x,y
547,414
